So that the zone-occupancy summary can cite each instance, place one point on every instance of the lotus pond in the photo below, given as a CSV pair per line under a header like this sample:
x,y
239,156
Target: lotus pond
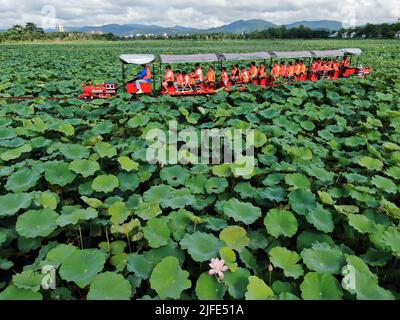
x,y
83,215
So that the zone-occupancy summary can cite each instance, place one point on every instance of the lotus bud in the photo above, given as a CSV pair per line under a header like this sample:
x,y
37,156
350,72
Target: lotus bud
x,y
270,268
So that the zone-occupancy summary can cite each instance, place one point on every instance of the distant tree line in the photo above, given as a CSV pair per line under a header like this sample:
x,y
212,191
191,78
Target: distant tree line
x,y
31,32
372,31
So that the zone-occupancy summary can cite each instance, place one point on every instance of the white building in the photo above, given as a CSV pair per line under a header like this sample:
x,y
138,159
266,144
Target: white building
x,y
398,35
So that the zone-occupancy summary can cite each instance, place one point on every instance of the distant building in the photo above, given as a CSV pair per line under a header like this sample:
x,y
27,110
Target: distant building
x,y
334,35
60,28
397,35
165,35
345,35
353,34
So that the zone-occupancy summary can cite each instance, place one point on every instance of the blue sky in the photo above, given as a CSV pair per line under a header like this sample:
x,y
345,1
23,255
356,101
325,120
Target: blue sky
x,y
201,14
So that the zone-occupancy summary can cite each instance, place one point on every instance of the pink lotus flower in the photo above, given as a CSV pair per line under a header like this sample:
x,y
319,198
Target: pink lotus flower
x,y
218,267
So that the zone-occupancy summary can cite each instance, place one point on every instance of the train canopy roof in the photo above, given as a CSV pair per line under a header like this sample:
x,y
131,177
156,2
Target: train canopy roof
x,y
137,58
353,51
291,54
245,56
165,58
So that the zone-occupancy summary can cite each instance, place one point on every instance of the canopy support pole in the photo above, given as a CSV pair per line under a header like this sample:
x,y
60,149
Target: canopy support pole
x,y
160,75
123,73
358,60
154,82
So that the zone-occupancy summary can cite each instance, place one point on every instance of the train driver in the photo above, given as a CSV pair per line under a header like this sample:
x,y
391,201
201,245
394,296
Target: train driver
x,y
144,77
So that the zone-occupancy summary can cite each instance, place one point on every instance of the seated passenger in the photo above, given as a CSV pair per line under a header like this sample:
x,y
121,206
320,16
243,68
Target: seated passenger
x,y
192,81
253,72
186,80
283,70
145,76
303,69
199,74
224,77
245,76
235,74
276,70
297,68
179,80
336,67
210,78
262,74
169,78
290,71
345,63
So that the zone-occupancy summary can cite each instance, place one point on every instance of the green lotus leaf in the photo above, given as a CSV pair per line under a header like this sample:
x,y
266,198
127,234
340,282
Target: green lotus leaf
x,y
321,219
148,210
359,280
140,265
57,255
12,292
371,163
355,141
323,258
384,184
317,286
157,232
66,129
258,290
180,198
178,222
109,286
326,198
246,190
104,127
319,173
392,239
237,282
222,170
302,201
126,228
138,121
12,203
37,223
276,194
74,151
28,280
73,215
105,150
286,260
47,200
361,223
346,209
235,237
216,185
209,288
16,153
119,212
82,266
174,176
260,139
281,222
23,180
92,202
105,183
241,211
158,193
85,168
201,246
58,173
7,133
298,181
229,257
168,279
128,164
393,172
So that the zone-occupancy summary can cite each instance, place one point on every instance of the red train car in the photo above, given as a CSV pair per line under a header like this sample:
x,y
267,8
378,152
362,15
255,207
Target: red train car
x,y
99,91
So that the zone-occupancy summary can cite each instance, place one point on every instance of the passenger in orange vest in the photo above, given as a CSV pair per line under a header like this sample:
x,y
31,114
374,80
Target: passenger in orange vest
x,y
199,74
261,72
144,77
297,68
224,77
345,63
276,70
336,68
169,78
303,69
253,72
210,78
244,77
235,74
283,70
290,72
180,80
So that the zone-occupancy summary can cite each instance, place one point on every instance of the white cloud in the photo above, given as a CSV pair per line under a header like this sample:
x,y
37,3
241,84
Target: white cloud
x,y
202,13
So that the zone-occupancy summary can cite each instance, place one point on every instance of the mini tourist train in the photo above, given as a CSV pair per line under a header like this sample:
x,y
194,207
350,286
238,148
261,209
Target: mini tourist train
x,y
204,74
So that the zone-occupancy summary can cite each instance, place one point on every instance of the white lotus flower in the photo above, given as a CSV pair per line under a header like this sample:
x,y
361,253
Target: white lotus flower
x,y
218,267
